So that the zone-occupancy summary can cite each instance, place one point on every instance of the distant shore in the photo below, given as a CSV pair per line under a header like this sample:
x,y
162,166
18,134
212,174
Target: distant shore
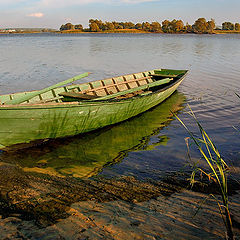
x,y
142,31
135,31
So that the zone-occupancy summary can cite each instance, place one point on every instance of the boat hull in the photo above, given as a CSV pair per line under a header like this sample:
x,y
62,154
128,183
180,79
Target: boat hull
x,y
23,124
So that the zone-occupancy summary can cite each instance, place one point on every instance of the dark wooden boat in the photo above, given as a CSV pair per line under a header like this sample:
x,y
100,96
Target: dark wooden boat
x,y
65,111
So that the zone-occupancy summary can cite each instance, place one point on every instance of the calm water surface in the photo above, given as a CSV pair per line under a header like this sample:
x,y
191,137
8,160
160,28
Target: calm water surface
x,y
40,185
148,145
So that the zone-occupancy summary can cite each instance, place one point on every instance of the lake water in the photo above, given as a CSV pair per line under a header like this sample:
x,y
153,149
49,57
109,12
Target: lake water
x,y
30,62
147,146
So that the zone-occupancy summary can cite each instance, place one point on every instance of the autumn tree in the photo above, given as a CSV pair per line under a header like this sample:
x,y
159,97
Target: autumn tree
x,y
200,26
172,27
67,26
165,26
227,26
94,27
155,27
128,25
115,24
78,27
109,26
237,26
146,26
211,26
188,28
138,26
176,25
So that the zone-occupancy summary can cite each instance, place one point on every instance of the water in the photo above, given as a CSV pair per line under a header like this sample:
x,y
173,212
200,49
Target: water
x,y
30,62
150,145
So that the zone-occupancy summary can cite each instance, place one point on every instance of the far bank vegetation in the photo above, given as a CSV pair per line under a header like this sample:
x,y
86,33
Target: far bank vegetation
x,y
201,26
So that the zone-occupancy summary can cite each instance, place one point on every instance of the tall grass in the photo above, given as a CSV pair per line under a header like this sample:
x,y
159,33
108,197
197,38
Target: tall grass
x,y
218,170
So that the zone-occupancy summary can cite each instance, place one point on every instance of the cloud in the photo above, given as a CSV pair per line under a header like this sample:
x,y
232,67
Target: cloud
x,y
137,1
64,3
11,1
36,15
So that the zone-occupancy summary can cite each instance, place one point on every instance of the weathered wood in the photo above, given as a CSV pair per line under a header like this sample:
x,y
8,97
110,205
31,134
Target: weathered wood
x,y
30,95
110,85
77,95
143,87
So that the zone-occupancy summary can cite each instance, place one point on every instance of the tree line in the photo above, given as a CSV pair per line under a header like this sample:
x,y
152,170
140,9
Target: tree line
x,y
201,25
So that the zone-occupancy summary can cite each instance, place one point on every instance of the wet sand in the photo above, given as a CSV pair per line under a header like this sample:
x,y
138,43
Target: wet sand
x,y
36,206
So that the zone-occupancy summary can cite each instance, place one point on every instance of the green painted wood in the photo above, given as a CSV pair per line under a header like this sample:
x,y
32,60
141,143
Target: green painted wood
x,y
28,122
164,75
169,72
33,94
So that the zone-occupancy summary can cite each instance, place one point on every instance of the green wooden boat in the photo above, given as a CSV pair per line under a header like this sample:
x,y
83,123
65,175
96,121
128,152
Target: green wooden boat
x,y
60,111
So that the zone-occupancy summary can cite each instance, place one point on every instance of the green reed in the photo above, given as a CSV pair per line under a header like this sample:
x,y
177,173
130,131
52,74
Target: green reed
x,y
218,172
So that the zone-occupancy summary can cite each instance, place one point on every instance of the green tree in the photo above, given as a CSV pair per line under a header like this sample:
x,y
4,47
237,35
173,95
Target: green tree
x,y
200,26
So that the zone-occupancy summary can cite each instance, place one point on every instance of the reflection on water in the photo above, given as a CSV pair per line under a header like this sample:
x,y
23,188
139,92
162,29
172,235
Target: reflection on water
x,y
35,61
40,184
85,155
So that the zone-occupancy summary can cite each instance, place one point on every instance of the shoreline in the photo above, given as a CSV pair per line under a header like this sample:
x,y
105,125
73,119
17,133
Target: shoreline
x,y
128,31
109,208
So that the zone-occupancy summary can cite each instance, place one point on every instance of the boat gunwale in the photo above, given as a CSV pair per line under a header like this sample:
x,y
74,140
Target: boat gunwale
x,y
87,103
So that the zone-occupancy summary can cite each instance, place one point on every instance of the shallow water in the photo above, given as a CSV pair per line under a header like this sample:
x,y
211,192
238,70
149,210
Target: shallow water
x,y
148,146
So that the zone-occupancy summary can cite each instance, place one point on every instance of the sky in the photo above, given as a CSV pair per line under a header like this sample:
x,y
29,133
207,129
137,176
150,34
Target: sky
x,y
54,13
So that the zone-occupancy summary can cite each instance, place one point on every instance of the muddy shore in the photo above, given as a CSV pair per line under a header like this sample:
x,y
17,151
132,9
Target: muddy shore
x,y
38,206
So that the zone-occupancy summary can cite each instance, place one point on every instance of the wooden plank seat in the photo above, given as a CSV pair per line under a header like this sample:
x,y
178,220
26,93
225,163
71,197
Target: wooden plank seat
x,y
143,88
76,95
111,85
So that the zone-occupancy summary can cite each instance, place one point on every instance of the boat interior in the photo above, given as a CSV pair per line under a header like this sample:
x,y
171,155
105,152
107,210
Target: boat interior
x,y
123,87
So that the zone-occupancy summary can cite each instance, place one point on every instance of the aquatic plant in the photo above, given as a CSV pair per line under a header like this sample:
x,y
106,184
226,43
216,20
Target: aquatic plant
x,y
218,170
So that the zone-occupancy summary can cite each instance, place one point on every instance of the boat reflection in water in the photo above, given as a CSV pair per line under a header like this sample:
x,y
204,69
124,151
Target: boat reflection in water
x,y
85,155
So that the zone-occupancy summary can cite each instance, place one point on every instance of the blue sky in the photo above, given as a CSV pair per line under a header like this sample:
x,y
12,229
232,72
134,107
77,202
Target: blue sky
x,y
53,13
